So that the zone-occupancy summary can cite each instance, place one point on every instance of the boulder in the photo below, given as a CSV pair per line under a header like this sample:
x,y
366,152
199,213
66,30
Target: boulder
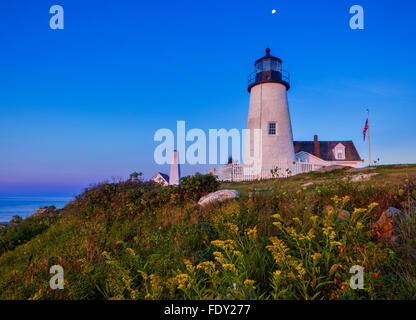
x,y
361,177
343,215
307,184
219,196
361,169
384,228
327,210
394,213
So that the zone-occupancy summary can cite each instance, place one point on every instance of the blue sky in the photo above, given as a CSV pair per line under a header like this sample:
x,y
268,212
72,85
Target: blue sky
x,y
81,105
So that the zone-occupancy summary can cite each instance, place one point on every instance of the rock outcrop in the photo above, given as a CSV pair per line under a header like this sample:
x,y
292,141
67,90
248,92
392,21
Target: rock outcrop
x,y
219,196
361,177
385,227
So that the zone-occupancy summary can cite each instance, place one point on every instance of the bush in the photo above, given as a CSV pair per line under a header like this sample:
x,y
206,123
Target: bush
x,y
19,230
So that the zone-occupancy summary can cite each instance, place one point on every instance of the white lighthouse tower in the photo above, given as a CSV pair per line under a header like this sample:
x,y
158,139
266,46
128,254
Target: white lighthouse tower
x,y
269,114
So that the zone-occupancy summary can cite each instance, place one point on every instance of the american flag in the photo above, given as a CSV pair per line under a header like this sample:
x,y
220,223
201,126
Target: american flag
x,y
365,128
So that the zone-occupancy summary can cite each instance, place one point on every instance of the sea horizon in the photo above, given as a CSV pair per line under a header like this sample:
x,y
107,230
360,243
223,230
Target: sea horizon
x,y
25,205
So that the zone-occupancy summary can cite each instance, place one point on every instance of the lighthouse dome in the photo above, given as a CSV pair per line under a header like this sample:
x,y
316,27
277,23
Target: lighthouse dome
x,y
268,69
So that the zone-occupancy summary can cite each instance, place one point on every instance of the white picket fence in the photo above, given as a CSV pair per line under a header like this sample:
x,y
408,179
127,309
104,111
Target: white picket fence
x,y
236,172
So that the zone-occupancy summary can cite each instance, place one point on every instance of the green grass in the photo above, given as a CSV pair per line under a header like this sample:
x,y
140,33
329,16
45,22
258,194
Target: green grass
x,y
130,240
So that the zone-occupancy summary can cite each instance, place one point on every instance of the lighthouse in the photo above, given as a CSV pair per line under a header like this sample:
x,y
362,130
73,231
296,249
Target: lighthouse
x,y
268,114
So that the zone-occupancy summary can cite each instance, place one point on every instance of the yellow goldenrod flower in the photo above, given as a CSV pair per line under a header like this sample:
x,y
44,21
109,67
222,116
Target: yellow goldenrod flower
x,y
233,228
372,206
223,244
316,256
131,251
345,199
148,296
297,220
181,280
359,211
206,266
188,265
277,224
252,233
300,270
229,267
249,283
314,218
277,273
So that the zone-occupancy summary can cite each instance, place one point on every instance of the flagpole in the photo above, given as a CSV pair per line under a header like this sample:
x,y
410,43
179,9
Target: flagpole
x,y
369,150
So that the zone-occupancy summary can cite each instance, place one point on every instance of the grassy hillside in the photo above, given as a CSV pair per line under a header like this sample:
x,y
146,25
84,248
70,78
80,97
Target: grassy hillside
x,y
137,240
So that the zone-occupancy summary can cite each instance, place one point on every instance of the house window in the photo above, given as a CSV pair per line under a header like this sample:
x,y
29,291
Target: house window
x,y
340,154
272,128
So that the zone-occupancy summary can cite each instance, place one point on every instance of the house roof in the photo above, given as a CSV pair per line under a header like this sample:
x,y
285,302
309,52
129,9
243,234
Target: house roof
x,y
163,175
326,147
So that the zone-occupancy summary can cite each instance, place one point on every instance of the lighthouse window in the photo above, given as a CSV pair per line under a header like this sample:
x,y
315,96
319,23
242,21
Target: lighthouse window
x,y
272,128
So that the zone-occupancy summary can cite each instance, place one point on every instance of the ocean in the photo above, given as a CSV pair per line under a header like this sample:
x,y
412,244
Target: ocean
x,y
24,206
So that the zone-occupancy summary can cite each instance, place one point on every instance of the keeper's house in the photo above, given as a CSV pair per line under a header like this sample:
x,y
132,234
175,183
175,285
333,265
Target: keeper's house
x,y
326,153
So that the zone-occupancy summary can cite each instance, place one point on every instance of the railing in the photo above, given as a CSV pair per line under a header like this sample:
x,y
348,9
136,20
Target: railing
x,y
236,172
280,75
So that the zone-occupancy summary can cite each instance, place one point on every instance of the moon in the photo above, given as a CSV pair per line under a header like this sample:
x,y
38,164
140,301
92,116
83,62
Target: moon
x,y
273,11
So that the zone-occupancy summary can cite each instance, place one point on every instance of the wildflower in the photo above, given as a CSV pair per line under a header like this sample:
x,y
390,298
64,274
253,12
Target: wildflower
x,y
229,266
237,253
316,256
300,271
186,233
252,233
364,246
277,273
297,220
335,199
233,228
372,206
277,224
359,211
148,296
249,283
131,251
375,275
188,265
359,225
206,266
314,218
218,254
181,280
344,200
311,234
276,216
223,244
327,230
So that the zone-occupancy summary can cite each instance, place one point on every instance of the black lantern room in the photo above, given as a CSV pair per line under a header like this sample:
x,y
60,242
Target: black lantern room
x,y
268,69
